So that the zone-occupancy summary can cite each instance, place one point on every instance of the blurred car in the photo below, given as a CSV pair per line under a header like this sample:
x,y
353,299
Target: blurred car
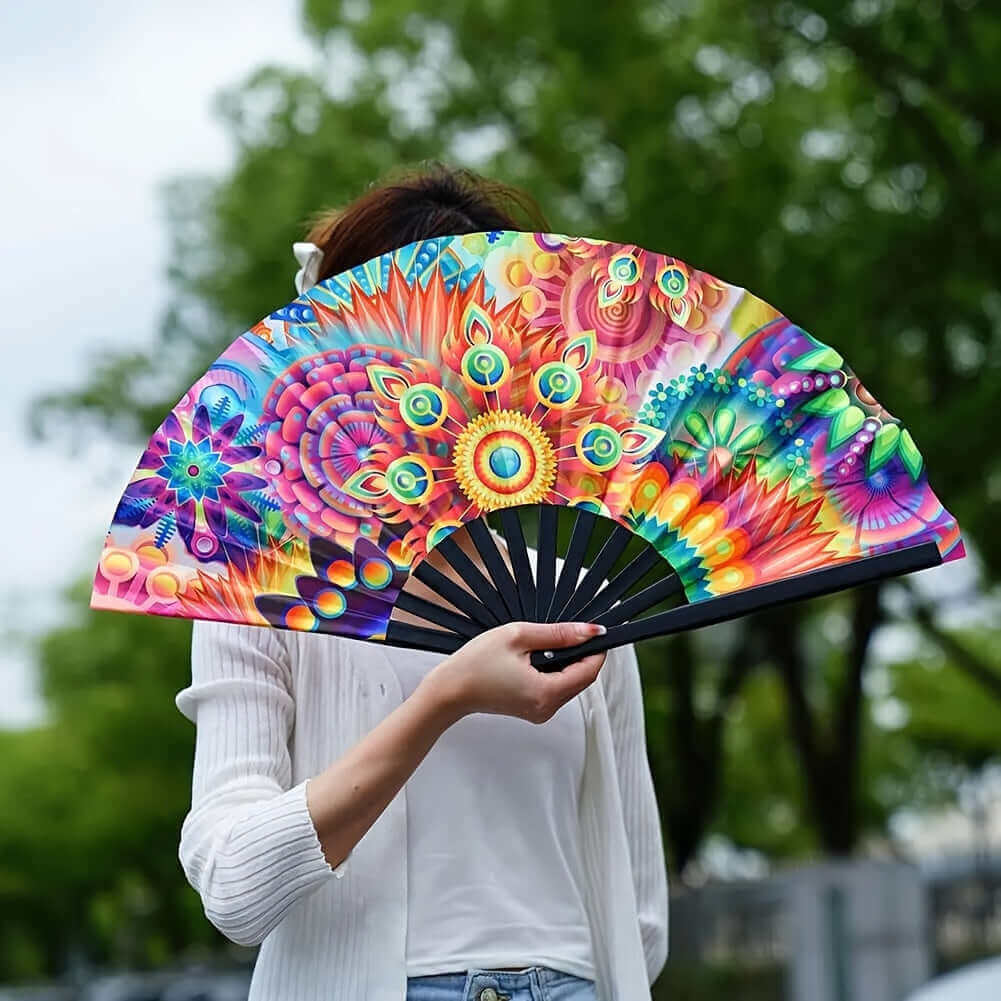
x,y
191,985
38,992
126,987
976,982
208,987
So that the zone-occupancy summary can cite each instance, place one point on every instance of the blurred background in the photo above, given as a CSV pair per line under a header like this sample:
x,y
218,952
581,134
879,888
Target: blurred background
x,y
831,804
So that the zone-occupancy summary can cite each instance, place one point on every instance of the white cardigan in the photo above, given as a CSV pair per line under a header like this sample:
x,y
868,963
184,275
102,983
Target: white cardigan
x,y
273,708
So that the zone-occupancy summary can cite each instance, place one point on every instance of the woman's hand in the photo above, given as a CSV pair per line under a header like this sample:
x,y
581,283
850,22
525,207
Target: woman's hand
x,y
492,672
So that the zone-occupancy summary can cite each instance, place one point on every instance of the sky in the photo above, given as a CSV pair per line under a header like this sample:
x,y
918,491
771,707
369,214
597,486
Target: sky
x,y
99,103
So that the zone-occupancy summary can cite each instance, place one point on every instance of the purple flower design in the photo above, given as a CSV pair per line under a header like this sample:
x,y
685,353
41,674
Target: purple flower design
x,y
322,429
879,496
193,478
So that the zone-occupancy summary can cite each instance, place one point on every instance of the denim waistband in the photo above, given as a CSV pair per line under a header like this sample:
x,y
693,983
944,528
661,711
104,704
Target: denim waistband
x,y
463,984
514,978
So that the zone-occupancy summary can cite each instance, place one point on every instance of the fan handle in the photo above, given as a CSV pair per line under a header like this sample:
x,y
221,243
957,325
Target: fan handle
x,y
812,584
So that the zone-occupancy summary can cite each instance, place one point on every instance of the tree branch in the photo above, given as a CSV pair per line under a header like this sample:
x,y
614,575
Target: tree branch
x,y
963,658
781,629
866,616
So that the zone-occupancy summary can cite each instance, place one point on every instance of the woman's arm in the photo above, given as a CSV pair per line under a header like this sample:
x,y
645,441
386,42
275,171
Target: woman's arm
x,y
624,695
248,845
347,798
491,673
253,844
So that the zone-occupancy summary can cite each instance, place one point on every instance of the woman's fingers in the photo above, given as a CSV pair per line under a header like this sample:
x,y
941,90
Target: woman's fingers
x,y
493,672
572,679
530,636
582,672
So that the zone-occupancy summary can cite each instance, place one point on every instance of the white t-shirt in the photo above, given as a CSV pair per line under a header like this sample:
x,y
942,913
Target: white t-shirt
x,y
493,859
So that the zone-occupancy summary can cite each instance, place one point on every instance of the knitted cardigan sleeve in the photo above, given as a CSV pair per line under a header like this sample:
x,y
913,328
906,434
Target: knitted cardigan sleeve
x,y
248,845
624,695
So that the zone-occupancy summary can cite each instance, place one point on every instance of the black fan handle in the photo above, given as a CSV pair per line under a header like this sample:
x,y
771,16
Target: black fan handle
x,y
712,610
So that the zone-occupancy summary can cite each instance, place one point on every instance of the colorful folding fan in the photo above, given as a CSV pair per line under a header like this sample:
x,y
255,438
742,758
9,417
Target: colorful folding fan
x,y
709,453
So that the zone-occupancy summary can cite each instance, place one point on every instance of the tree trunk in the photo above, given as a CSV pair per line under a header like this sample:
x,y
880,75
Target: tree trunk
x,y
830,754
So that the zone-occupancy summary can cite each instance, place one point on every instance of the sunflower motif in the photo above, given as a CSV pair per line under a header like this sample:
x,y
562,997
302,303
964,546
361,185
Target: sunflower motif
x,y
509,415
349,432
502,459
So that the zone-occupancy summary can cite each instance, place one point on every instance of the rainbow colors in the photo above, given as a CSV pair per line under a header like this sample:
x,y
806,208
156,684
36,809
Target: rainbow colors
x,y
337,441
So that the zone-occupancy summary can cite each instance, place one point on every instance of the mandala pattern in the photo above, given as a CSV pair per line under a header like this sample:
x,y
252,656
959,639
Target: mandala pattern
x,y
193,477
345,435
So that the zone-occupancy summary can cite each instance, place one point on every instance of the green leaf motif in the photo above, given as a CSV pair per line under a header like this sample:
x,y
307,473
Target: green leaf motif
x,y
682,449
909,454
748,438
723,421
844,425
698,428
883,446
820,359
827,404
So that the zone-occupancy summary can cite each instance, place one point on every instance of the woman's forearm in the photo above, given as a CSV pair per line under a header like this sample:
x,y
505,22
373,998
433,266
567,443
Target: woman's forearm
x,y
346,798
491,673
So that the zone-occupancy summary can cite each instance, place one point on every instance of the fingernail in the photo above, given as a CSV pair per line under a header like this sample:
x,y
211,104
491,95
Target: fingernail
x,y
599,629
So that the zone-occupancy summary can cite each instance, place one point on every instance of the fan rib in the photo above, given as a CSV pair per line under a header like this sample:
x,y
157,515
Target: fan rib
x,y
638,603
708,612
514,536
456,594
545,577
496,567
461,563
402,634
613,548
438,615
632,573
580,536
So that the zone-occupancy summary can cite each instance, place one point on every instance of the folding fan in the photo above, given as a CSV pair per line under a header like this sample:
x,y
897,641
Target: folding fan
x,y
677,452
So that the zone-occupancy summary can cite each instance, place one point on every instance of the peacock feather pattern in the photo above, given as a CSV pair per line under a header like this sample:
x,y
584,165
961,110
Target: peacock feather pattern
x,y
343,437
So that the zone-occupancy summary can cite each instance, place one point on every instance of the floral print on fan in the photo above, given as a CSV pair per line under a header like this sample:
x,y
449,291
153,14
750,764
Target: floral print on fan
x,y
341,438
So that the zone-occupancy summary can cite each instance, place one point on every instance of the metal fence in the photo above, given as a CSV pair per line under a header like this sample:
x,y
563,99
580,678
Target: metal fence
x,y
855,931
964,898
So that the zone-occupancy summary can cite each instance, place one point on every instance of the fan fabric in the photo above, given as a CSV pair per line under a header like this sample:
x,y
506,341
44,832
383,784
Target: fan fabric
x,y
331,446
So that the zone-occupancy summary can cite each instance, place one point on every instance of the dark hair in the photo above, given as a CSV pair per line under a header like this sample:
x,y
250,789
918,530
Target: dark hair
x,y
419,203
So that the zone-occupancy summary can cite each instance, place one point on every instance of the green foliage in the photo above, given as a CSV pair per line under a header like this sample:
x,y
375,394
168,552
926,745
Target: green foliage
x,y
92,801
946,709
683,981
763,808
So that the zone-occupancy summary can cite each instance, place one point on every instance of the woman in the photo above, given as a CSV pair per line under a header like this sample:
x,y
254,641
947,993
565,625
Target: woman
x,y
392,826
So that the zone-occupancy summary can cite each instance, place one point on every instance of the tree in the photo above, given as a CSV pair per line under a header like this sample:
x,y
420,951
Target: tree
x,y
833,158
92,802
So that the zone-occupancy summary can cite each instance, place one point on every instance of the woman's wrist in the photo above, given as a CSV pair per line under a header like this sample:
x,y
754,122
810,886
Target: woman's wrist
x,y
444,693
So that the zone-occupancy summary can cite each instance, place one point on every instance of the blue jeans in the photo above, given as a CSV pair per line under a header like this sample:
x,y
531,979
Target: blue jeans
x,y
534,983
